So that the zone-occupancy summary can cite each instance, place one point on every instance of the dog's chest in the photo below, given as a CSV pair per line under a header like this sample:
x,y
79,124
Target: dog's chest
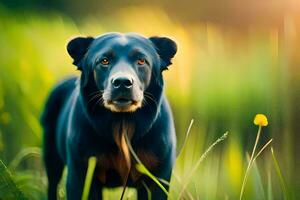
x,y
112,167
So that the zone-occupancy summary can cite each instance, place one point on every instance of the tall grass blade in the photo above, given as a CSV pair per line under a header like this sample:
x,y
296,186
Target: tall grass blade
x,y
279,173
24,154
203,156
262,149
252,159
8,188
186,138
142,169
89,177
148,190
260,193
250,163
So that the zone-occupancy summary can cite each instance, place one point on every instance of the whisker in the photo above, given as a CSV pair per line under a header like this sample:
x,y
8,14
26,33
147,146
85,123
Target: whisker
x,y
99,91
144,102
98,101
149,94
149,97
94,97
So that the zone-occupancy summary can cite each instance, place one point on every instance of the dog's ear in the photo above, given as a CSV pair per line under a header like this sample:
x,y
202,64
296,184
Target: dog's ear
x,y
77,47
166,49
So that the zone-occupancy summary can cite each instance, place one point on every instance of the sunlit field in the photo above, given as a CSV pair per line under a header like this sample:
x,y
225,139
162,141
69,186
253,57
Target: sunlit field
x,y
221,77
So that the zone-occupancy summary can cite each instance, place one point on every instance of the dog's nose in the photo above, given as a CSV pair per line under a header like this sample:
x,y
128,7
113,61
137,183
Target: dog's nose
x,y
122,82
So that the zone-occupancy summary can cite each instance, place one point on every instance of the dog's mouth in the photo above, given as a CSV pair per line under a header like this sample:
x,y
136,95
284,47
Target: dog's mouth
x,y
122,104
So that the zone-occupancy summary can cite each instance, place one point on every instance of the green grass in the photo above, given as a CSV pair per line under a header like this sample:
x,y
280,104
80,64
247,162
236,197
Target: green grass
x,y
279,173
89,177
13,191
8,187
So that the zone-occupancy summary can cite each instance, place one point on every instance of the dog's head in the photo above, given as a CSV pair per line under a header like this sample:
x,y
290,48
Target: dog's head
x,y
121,66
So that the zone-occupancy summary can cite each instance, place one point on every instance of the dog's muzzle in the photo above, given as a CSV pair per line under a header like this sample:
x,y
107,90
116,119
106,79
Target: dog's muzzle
x,y
123,96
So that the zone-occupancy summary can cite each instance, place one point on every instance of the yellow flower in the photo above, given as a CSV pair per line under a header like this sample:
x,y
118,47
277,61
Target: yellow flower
x,y
260,120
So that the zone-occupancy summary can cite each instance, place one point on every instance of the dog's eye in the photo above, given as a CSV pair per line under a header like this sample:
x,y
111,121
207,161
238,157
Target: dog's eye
x,y
141,61
104,61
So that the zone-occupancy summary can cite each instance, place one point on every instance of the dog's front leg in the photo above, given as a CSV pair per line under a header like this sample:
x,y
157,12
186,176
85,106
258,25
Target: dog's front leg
x,y
75,180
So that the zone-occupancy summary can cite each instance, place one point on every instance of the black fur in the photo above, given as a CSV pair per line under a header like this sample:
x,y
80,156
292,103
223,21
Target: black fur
x,y
77,125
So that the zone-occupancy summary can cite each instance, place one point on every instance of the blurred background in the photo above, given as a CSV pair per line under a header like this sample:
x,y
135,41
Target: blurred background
x,y
235,59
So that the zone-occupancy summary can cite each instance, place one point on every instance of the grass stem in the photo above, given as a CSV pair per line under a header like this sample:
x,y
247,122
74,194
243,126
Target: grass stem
x,y
281,179
203,156
186,138
89,177
141,168
250,163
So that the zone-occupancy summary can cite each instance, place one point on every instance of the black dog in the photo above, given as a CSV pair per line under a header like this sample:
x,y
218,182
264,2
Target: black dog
x,y
119,95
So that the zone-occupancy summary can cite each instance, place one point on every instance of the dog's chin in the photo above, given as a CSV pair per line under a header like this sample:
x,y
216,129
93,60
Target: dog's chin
x,y
123,105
